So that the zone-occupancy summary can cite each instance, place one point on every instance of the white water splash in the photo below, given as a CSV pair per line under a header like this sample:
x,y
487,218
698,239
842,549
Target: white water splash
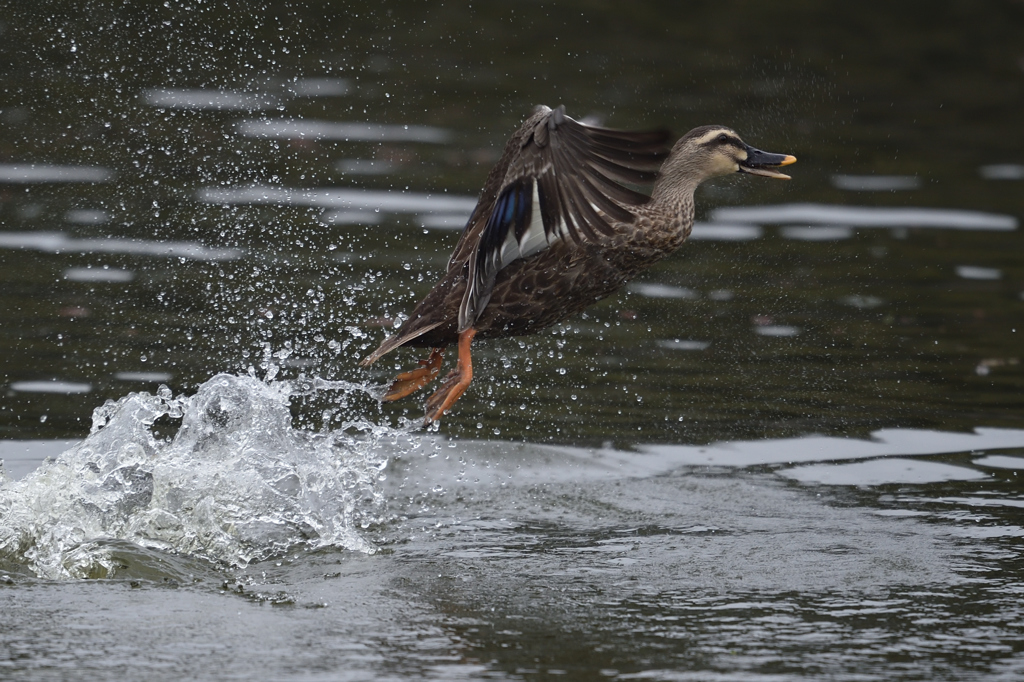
x,y
236,483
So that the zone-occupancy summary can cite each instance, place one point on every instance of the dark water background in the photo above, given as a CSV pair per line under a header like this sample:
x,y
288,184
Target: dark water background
x,y
173,205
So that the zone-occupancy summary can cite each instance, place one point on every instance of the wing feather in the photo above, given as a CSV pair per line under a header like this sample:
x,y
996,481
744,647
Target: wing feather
x,y
562,180
499,246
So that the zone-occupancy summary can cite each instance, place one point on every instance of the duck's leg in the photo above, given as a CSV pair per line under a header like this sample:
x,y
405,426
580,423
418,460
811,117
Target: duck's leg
x,y
456,383
415,379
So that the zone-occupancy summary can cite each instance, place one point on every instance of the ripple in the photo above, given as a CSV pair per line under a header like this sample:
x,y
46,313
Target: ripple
x,y
342,198
1001,462
301,129
683,344
365,166
217,100
321,87
38,172
86,216
862,302
149,377
881,472
456,221
875,183
51,386
58,242
103,274
977,272
350,218
816,234
655,290
865,216
884,442
777,330
725,232
977,501
1002,171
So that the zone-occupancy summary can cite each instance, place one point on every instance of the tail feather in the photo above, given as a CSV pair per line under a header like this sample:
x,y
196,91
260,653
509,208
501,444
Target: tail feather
x,y
393,342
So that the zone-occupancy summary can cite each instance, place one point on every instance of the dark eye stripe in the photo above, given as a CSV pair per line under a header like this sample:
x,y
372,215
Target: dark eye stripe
x,y
729,140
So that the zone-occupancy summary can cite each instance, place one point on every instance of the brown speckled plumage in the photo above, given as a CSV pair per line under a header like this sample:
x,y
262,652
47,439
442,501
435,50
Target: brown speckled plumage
x,y
554,231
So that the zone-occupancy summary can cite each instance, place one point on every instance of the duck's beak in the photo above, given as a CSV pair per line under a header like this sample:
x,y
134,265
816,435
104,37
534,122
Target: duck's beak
x,y
764,163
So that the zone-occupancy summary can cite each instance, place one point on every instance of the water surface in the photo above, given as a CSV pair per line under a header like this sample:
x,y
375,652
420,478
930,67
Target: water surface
x,y
790,451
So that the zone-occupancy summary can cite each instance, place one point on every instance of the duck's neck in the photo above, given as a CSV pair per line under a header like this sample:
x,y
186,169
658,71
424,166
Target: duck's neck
x,y
673,198
674,186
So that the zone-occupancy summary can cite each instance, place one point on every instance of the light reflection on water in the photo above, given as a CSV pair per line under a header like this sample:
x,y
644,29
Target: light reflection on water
x,y
104,274
777,330
816,234
206,99
725,232
652,290
883,443
86,216
975,272
1001,462
344,132
44,173
321,87
345,198
58,243
882,472
876,183
52,386
1003,171
683,344
868,216
149,377
365,166
444,222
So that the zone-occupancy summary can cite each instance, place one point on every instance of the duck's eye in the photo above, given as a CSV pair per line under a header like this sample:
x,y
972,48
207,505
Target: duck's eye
x,y
723,138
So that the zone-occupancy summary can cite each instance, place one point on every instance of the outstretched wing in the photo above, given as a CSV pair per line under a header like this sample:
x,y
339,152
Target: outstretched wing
x,y
564,183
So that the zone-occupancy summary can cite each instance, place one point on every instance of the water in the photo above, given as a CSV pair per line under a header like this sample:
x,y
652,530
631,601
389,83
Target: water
x,y
790,451
235,484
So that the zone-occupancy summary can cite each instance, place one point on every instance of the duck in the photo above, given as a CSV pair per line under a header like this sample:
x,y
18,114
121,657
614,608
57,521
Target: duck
x,y
559,226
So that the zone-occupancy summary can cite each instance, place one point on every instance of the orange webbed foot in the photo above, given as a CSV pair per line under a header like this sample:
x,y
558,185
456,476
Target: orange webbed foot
x,y
455,384
413,380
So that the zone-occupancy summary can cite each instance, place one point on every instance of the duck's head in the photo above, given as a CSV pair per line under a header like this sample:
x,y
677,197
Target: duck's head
x,y
711,151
